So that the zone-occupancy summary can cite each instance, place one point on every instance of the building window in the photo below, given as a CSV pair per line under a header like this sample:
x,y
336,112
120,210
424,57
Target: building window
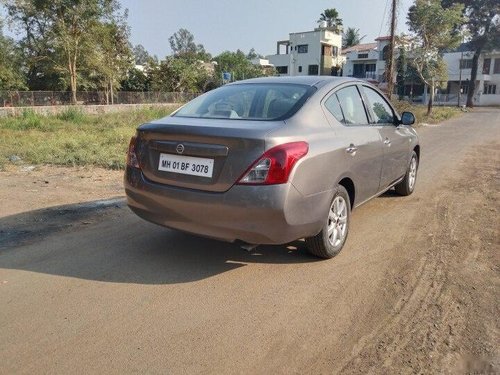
x,y
384,54
300,68
490,89
486,66
282,69
302,48
335,51
370,71
465,63
313,70
326,50
362,55
464,89
496,68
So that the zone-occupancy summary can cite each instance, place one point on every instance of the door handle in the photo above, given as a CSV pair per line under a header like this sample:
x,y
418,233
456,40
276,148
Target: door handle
x,y
387,142
351,149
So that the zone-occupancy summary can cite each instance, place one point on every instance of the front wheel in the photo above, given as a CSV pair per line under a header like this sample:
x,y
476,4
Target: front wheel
x,y
407,185
331,239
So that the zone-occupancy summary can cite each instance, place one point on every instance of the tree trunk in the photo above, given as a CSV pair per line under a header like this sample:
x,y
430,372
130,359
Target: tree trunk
x,y
72,80
73,88
473,75
111,91
431,98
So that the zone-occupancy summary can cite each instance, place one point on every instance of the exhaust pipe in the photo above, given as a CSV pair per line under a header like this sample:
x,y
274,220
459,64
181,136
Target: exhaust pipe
x,y
248,247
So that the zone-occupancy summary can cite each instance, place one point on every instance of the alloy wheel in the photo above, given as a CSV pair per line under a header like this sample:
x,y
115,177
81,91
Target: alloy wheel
x,y
337,221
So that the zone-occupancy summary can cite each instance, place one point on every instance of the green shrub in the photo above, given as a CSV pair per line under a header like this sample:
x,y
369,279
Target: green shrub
x,y
30,120
72,137
72,114
420,111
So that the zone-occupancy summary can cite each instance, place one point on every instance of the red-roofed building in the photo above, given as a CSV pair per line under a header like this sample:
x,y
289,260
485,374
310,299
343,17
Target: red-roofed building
x,y
367,61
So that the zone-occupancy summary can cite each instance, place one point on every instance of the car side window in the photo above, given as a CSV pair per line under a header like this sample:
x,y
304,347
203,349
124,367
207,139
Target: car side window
x,y
382,112
352,106
333,106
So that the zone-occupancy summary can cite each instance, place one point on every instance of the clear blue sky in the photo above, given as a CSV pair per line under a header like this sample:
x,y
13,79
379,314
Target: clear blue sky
x,y
231,24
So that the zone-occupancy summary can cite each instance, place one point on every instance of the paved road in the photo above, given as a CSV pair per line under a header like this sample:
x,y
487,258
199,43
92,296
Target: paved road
x,y
115,294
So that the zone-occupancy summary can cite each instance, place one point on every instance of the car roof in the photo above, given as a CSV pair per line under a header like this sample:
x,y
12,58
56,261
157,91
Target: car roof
x,y
317,81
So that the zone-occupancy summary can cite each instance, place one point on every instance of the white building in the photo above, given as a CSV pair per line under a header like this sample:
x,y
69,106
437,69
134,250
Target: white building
x,y
309,53
367,61
459,64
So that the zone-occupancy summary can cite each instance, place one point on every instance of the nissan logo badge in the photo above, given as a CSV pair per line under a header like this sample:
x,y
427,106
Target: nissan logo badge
x,y
180,148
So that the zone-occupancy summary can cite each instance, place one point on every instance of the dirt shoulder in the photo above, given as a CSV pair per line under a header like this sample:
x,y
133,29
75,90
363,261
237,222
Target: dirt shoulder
x,y
445,319
26,188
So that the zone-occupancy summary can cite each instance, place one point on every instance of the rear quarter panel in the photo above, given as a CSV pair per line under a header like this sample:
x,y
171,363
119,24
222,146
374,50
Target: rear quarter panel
x,y
320,170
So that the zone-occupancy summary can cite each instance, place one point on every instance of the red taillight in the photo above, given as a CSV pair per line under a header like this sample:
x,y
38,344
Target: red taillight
x,y
132,160
275,166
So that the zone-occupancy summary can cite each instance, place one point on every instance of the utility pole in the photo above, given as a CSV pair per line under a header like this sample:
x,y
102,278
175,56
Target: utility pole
x,y
390,64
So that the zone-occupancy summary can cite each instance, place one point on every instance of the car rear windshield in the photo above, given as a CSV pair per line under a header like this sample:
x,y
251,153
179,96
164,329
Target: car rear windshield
x,y
251,101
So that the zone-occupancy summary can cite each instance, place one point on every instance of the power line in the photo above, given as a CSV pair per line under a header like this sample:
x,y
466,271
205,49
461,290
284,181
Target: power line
x,y
383,18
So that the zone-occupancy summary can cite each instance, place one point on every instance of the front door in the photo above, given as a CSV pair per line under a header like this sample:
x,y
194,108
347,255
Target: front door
x,y
361,143
395,139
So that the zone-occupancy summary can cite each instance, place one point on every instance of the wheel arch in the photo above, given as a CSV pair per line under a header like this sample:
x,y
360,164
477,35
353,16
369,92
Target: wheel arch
x,y
417,151
348,184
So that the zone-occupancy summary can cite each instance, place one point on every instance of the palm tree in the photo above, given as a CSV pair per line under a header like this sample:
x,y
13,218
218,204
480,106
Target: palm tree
x,y
351,37
331,16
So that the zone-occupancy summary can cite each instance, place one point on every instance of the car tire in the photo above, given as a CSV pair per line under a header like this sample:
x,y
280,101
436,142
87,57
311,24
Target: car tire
x,y
330,240
407,185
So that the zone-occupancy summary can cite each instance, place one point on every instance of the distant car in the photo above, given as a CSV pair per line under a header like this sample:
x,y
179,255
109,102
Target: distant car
x,y
272,160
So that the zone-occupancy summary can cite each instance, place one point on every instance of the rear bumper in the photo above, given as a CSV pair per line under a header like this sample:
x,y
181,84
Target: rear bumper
x,y
273,214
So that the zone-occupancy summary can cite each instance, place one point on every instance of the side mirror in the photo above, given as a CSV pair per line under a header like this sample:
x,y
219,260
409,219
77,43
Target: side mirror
x,y
407,118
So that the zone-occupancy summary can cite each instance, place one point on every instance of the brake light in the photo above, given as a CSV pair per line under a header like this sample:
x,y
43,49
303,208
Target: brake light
x,y
275,165
132,160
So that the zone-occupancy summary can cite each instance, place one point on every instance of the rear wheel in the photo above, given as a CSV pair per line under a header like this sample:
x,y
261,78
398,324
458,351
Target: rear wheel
x,y
331,239
407,185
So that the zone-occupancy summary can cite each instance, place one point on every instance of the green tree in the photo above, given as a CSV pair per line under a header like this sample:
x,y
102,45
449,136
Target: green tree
x,y
11,75
34,27
402,72
176,74
331,16
112,58
183,45
252,54
481,19
432,27
141,56
61,33
351,37
237,64
136,80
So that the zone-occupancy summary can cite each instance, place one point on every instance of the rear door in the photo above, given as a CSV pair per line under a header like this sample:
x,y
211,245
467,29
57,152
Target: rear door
x,y
363,152
395,139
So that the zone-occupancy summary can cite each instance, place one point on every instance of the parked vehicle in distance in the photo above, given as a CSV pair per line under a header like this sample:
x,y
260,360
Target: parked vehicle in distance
x,y
272,160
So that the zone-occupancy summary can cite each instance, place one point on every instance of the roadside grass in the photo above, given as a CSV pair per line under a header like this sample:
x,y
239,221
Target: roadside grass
x,y
72,138
420,111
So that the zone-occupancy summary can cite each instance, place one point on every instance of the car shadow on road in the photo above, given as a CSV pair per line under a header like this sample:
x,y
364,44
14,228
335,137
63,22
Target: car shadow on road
x,y
110,244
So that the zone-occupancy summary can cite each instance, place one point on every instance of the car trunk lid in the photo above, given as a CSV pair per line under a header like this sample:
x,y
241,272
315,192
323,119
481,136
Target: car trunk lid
x,y
202,154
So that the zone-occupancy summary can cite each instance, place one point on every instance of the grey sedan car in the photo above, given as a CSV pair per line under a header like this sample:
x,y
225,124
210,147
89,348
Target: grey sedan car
x,y
272,160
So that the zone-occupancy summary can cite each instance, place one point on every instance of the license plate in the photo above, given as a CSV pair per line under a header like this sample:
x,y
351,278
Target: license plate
x,y
186,165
